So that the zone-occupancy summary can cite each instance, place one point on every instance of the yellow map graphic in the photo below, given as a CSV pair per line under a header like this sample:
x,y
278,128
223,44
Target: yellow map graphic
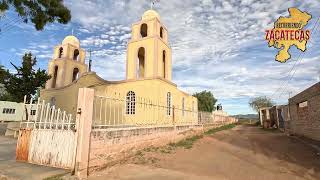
x,y
296,16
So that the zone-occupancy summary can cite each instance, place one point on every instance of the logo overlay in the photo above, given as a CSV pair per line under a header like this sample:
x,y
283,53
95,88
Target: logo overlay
x,y
287,32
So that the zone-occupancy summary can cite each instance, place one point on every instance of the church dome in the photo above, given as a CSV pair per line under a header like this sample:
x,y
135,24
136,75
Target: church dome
x,y
71,40
150,14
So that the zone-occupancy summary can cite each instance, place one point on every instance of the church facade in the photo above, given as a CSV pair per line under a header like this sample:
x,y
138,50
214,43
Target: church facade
x,y
148,76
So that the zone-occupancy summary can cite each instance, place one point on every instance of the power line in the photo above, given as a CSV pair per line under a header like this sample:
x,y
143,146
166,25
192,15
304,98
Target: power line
x,y
298,64
294,66
10,25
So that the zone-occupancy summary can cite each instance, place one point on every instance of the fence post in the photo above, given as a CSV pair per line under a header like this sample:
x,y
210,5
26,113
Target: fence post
x,y
173,118
84,126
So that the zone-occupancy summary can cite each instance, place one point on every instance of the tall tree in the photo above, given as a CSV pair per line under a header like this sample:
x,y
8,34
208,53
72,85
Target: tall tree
x,y
4,74
206,101
39,12
25,81
259,102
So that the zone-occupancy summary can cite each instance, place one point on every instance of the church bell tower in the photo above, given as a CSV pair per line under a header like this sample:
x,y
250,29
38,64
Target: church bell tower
x,y
148,52
67,64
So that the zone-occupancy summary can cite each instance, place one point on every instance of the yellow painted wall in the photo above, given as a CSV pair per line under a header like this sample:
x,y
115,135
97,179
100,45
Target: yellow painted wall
x,y
66,97
148,91
66,63
153,45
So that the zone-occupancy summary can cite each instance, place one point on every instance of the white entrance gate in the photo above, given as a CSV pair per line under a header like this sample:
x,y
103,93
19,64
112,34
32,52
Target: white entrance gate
x,y
47,136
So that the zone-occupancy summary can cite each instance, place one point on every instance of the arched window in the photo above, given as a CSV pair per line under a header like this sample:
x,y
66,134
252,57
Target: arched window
x,y
131,103
76,54
182,106
168,103
60,52
164,63
144,30
161,32
75,74
141,63
55,74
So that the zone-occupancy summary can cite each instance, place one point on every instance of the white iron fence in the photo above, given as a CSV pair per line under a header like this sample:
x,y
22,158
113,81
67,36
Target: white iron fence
x,y
110,112
41,115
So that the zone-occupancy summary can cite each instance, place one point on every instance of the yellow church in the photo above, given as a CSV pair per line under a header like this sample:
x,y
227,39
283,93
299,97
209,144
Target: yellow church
x,y
146,96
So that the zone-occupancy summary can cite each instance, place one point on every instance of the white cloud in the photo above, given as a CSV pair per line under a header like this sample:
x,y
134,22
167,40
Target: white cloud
x,y
217,45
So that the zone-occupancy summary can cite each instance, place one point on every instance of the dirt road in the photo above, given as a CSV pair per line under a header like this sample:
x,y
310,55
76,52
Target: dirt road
x,y
244,152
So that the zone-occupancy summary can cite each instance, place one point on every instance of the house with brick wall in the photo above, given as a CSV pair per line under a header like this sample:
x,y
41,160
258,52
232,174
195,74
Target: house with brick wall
x,y
304,110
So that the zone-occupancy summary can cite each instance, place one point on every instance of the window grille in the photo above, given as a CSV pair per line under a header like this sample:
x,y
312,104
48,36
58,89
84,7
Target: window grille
x,y
131,103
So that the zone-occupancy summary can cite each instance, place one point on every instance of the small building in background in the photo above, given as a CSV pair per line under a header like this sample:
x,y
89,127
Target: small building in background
x,y
274,117
11,114
10,111
264,113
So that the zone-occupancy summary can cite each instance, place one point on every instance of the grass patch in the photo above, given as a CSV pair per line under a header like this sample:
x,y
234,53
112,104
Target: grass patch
x,y
56,177
186,143
151,149
139,153
214,130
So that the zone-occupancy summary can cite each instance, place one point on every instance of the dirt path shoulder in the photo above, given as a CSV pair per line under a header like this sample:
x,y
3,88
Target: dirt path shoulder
x,y
244,152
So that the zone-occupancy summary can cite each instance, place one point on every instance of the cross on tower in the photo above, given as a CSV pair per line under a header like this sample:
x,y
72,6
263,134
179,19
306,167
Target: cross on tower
x,y
153,2
90,60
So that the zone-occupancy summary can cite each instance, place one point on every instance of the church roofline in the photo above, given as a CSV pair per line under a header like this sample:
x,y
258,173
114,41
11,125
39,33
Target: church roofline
x,y
106,82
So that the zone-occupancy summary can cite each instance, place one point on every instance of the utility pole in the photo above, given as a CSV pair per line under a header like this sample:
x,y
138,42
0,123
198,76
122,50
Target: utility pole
x,y
289,116
90,60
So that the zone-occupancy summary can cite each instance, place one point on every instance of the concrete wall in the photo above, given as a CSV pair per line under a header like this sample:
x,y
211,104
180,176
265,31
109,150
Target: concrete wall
x,y
211,118
305,113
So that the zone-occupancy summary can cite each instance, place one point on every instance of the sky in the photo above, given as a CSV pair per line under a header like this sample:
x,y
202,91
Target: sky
x,y
217,45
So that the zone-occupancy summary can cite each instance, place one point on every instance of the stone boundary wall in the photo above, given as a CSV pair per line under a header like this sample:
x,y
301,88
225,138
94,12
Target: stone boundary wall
x,y
209,118
108,145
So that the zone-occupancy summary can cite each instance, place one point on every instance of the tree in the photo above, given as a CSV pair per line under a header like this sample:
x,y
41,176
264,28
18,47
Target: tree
x,y
25,81
259,102
39,12
3,74
206,101
3,78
